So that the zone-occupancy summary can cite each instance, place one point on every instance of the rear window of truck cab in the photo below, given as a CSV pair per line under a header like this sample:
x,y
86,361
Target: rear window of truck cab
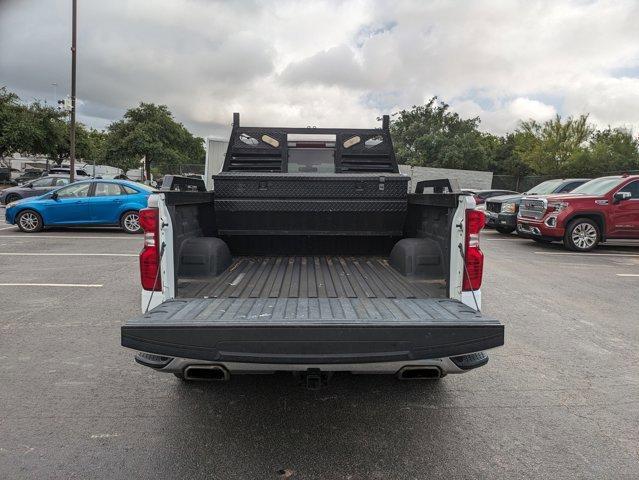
x,y
310,153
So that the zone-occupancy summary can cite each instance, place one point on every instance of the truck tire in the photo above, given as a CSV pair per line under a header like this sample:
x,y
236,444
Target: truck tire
x,y
505,230
29,221
582,235
130,222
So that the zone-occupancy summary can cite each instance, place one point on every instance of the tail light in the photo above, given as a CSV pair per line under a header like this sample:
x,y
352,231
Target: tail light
x,y
150,254
475,221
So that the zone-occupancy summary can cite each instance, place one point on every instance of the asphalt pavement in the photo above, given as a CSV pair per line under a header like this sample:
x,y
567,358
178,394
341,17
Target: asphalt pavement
x,y
559,400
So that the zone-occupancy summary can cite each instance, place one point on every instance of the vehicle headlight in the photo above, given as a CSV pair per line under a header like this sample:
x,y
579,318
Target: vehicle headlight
x,y
11,204
508,207
557,206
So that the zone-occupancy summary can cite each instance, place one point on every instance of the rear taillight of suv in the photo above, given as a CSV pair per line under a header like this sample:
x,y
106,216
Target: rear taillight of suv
x,y
474,257
150,254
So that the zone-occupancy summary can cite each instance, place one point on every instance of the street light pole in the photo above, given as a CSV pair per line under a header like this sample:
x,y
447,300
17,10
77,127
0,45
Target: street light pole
x,y
72,127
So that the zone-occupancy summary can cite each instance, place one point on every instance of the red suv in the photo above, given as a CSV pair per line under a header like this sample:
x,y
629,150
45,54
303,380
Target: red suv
x,y
601,209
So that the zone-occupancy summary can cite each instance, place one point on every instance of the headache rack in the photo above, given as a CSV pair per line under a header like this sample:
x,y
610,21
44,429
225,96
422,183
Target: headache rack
x,y
266,149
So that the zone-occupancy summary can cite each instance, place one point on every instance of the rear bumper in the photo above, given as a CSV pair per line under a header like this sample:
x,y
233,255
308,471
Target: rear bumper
x,y
445,365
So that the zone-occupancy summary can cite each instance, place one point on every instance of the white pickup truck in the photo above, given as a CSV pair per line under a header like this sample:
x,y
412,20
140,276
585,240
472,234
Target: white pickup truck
x,y
309,255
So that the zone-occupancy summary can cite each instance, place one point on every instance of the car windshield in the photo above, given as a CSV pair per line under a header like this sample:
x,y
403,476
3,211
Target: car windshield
x,y
598,186
544,188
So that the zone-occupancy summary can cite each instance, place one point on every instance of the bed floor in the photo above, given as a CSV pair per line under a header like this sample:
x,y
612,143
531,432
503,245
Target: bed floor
x,y
311,277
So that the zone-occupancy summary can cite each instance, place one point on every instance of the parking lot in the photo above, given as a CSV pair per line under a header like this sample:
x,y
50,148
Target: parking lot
x,y
559,400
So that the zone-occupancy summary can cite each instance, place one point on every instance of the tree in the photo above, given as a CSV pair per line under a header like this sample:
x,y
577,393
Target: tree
x,y
150,132
12,124
609,151
503,157
431,135
552,147
96,146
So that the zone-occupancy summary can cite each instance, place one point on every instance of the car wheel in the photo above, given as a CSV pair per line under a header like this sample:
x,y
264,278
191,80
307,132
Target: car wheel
x,y
29,221
505,230
130,222
582,235
12,197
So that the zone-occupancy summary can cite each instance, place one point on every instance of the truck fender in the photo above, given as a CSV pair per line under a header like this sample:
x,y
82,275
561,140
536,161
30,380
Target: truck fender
x,y
596,216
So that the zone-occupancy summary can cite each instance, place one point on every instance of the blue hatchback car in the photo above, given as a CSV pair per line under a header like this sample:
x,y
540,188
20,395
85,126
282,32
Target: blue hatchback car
x,y
86,203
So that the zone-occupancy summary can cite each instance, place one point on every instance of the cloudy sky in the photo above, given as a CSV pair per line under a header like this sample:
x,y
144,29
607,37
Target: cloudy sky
x,y
341,63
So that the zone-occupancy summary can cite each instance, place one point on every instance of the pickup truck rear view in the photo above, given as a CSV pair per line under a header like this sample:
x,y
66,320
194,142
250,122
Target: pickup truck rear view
x,y
310,256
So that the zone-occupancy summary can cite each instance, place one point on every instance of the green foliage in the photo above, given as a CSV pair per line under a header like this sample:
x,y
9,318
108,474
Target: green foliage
x,y
432,136
609,150
553,146
96,146
149,131
14,124
146,131
503,156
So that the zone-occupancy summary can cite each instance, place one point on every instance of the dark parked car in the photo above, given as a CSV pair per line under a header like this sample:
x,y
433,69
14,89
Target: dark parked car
x,y
501,212
34,188
481,196
27,177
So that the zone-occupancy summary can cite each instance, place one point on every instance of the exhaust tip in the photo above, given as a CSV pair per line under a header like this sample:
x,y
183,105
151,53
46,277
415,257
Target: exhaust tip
x,y
419,373
206,373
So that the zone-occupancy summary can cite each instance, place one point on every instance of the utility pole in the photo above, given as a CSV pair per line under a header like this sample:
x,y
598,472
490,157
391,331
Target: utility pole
x,y
72,127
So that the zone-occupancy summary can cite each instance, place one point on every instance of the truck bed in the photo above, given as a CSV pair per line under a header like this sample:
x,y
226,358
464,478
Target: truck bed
x,y
311,277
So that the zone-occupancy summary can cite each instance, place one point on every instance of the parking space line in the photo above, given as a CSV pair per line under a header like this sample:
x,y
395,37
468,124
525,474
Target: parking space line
x,y
70,237
590,254
628,274
30,254
78,285
7,228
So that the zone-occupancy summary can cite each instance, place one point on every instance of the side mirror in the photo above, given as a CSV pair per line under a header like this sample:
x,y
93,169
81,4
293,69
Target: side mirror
x,y
30,185
54,196
621,196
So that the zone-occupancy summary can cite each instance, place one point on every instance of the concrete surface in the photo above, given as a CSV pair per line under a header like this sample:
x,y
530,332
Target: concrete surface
x,y
560,400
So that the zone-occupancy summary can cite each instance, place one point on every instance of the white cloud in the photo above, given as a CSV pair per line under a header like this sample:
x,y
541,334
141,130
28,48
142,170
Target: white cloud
x,y
293,62
525,108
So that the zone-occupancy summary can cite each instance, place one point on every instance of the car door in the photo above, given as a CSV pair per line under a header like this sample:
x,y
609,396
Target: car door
x,y
106,203
68,205
625,214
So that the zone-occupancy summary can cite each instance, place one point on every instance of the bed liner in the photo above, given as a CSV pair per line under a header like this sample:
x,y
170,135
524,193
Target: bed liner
x,y
311,277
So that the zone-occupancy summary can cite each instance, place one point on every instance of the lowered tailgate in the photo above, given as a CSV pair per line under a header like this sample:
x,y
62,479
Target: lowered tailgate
x,y
312,330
